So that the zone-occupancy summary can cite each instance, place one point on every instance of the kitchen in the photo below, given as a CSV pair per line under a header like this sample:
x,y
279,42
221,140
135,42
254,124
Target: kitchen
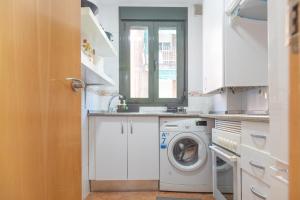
x,y
162,100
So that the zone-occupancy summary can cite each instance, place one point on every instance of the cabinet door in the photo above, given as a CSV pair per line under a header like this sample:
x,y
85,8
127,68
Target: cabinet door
x,y
108,148
143,148
213,45
246,52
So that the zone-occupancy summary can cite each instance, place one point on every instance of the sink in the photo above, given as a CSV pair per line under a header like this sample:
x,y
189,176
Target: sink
x,y
132,108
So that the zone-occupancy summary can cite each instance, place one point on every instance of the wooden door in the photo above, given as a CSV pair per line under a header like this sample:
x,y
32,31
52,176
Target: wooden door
x,y
40,150
143,148
109,143
294,116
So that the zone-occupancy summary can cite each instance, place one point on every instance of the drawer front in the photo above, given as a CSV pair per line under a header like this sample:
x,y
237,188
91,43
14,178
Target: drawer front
x,y
256,135
256,163
253,188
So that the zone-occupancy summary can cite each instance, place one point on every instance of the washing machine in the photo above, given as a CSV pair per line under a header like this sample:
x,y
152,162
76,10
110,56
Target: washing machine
x,y
185,160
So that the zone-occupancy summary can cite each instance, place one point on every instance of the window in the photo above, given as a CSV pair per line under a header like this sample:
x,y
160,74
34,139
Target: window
x,y
152,61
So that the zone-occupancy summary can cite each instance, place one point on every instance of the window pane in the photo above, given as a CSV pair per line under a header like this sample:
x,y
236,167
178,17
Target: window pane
x,y
167,62
139,62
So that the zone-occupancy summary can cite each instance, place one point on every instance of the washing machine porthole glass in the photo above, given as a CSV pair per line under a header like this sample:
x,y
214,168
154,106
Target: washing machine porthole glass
x,y
185,151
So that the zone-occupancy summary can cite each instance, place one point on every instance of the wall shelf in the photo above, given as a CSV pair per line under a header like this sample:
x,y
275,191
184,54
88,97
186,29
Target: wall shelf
x,y
249,9
92,76
94,33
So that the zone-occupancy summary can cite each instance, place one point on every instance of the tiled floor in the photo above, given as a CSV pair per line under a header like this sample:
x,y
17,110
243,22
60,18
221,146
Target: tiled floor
x,y
146,195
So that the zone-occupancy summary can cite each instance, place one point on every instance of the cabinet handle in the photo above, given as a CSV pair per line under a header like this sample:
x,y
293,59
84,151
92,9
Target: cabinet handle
x,y
253,190
257,166
131,127
122,128
259,136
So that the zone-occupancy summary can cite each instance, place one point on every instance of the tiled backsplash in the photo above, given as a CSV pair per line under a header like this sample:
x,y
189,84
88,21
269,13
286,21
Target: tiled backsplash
x,y
98,98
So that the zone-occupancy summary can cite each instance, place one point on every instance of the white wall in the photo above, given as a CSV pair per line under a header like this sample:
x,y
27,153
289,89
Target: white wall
x,y
109,19
98,96
84,149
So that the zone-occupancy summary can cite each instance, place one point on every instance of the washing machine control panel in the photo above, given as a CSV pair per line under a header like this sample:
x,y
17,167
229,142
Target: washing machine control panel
x,y
201,123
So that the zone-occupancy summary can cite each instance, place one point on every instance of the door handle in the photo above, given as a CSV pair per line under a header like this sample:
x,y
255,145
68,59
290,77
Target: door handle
x,y
76,84
232,158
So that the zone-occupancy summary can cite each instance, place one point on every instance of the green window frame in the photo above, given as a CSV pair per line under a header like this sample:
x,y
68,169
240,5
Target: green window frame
x,y
154,21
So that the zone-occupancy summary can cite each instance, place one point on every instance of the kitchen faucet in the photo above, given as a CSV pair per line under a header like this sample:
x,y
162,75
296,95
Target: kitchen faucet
x,y
109,109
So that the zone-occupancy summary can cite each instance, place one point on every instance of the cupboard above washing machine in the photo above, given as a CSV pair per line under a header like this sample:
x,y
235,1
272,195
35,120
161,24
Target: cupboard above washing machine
x,y
234,48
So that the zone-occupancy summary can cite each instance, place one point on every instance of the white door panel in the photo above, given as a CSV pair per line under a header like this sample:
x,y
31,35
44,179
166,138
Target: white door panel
x,y
143,148
110,148
246,53
213,48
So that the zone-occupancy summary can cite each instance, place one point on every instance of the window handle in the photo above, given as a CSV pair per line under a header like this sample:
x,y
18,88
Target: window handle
x,y
155,65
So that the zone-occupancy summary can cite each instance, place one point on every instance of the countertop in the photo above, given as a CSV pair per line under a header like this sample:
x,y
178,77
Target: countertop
x,y
231,117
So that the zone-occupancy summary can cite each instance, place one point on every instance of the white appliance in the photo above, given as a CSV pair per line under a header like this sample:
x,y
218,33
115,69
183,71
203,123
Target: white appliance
x,y
185,160
225,158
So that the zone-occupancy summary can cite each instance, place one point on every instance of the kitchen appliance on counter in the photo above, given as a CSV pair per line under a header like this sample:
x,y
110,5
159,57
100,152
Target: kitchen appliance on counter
x,y
226,139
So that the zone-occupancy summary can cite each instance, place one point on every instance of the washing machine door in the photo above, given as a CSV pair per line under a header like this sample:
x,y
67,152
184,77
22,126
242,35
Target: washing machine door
x,y
187,152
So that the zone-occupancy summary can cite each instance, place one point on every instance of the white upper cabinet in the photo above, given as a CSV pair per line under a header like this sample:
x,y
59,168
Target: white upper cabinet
x,y
213,45
234,51
246,54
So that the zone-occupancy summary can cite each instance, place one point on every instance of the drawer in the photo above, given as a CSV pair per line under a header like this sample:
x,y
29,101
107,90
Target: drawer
x,y
253,188
256,135
256,163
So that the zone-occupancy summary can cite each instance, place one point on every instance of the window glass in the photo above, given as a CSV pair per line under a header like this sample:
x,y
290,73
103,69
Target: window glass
x,y
139,62
167,62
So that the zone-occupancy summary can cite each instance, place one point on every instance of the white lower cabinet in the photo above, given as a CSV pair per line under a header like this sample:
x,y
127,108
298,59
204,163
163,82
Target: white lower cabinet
x,y
143,148
124,148
255,161
108,148
253,188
